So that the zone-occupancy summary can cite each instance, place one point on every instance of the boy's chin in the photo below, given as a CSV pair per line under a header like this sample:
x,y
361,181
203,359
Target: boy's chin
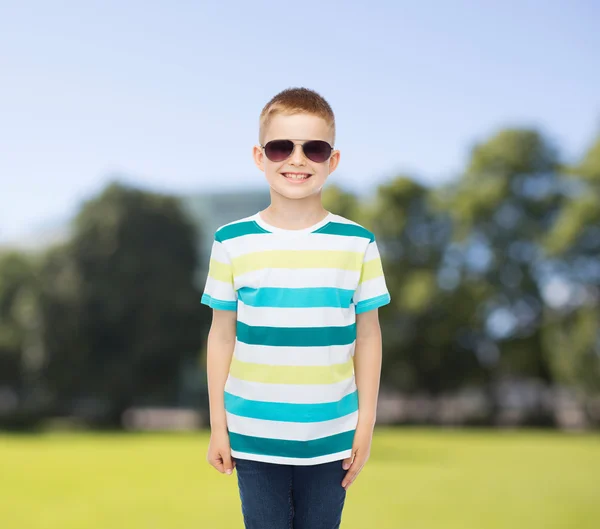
x,y
294,194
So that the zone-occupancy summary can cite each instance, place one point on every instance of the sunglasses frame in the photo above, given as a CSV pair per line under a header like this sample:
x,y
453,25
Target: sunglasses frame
x,y
293,141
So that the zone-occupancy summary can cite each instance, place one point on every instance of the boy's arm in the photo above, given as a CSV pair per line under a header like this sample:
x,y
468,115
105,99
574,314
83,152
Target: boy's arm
x,y
221,342
367,366
367,372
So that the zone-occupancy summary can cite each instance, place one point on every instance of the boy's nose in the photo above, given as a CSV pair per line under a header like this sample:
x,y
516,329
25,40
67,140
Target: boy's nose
x,y
297,156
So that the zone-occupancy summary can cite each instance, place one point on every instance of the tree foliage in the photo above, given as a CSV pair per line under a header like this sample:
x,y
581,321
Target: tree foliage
x,y
121,305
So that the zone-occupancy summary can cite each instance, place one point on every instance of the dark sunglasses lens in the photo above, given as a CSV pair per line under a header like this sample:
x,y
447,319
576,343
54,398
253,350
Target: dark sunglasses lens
x,y
316,150
279,150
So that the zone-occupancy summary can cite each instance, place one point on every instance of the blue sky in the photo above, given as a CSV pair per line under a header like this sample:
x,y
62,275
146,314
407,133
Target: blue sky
x,y
169,93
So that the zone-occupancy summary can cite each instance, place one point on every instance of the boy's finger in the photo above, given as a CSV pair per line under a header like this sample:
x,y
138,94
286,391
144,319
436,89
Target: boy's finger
x,y
227,464
352,473
349,478
347,462
218,464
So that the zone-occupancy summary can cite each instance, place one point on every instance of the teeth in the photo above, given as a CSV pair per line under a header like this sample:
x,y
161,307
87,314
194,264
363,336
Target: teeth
x,y
296,176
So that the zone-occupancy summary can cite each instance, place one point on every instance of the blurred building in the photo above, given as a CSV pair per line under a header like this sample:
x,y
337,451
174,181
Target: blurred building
x,y
211,210
208,211
37,240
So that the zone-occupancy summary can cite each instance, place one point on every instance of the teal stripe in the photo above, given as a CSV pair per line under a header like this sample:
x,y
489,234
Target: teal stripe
x,y
296,336
372,303
285,448
296,297
280,411
218,303
348,230
238,230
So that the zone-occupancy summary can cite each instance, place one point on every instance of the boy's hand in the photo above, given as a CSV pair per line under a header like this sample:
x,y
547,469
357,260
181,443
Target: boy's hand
x,y
219,452
361,449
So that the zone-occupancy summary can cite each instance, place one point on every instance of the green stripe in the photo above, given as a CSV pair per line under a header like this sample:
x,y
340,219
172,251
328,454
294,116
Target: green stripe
x,y
285,448
296,336
348,230
238,229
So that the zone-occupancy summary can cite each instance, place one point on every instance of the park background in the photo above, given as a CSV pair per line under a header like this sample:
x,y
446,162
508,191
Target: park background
x,y
470,145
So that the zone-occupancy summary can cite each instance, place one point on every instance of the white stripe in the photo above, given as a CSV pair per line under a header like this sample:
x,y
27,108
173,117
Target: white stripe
x,y
371,252
370,289
291,431
344,220
293,460
299,278
261,242
219,253
296,317
219,289
290,393
294,356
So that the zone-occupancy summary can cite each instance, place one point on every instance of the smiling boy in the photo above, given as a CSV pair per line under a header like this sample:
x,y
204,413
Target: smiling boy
x,y
294,349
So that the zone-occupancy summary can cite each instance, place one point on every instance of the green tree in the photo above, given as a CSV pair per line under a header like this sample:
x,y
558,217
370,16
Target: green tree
x,y
577,227
422,347
502,207
19,320
572,336
21,346
341,202
123,312
66,348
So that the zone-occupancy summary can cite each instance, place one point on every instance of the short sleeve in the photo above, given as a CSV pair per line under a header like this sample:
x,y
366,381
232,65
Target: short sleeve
x,y
219,292
372,291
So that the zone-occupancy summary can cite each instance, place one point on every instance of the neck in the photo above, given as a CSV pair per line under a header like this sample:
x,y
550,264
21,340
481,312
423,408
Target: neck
x,y
293,214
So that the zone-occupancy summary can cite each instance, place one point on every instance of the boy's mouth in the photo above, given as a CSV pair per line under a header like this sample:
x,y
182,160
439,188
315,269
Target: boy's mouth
x,y
296,177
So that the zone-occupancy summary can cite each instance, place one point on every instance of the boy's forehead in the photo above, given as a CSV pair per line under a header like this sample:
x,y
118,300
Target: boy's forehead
x,y
298,127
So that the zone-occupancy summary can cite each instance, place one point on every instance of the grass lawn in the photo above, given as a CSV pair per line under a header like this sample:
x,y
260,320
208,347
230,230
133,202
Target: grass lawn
x,y
415,479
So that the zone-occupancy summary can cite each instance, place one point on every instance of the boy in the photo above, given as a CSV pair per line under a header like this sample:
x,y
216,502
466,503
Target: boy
x,y
294,349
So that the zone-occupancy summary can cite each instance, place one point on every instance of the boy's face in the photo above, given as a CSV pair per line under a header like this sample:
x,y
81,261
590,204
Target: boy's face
x,y
302,127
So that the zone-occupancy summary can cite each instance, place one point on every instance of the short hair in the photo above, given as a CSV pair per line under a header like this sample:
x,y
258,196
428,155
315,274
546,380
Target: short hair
x,y
296,101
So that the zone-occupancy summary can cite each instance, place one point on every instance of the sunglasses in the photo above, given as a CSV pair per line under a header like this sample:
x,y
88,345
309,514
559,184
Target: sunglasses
x,y
318,151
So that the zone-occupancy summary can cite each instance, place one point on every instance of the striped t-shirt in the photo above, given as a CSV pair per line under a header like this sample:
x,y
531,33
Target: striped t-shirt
x,y
290,396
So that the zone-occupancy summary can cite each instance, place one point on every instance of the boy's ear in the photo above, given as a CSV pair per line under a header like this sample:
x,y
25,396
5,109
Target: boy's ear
x,y
334,160
258,155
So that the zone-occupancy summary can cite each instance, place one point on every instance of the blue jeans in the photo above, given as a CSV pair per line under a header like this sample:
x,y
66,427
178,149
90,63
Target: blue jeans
x,y
276,496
